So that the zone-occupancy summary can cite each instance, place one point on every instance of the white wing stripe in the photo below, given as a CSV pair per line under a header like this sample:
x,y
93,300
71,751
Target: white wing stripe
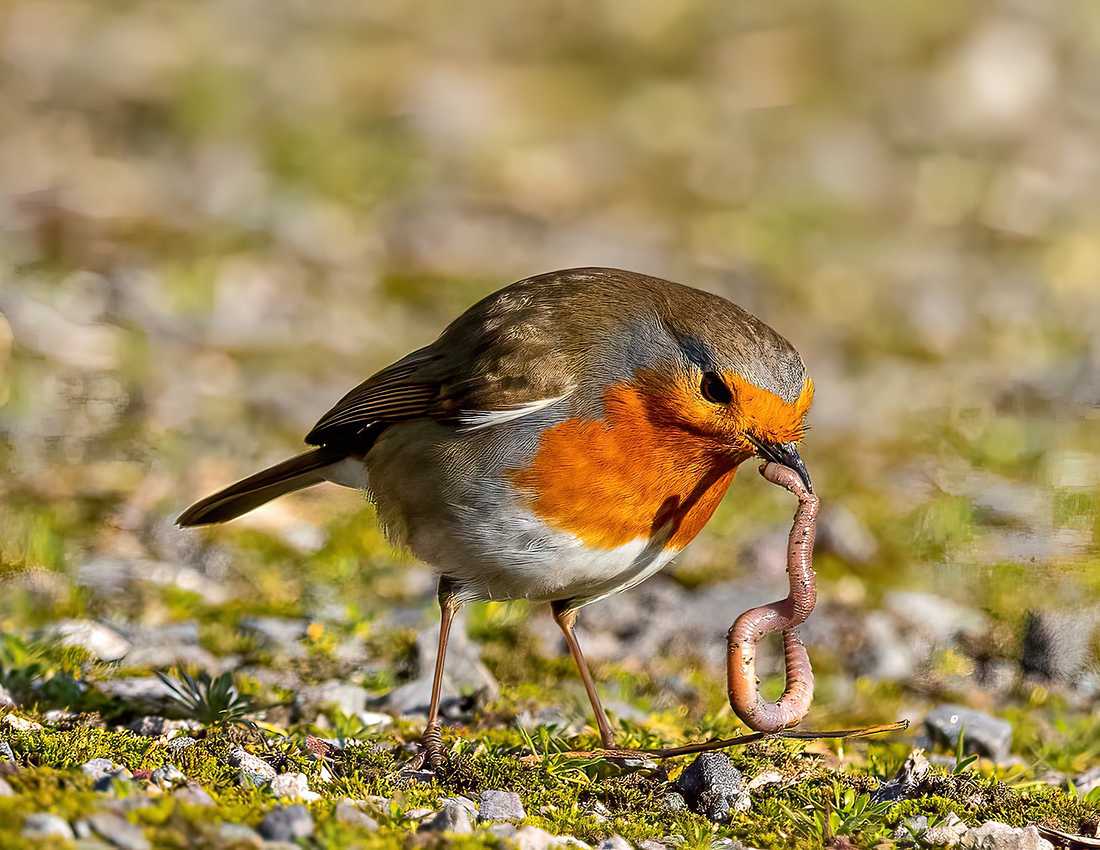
x,y
475,420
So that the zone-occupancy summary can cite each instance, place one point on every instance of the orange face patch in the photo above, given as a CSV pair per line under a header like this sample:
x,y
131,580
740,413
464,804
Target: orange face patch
x,y
627,476
766,415
662,457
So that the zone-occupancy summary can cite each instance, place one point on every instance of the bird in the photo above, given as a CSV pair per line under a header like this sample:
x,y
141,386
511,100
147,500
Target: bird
x,y
561,441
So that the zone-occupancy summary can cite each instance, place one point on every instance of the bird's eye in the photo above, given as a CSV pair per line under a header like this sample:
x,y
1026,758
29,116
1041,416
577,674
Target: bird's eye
x,y
714,389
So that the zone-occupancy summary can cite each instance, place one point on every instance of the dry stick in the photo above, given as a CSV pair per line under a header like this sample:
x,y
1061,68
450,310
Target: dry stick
x,y
785,615
723,743
770,720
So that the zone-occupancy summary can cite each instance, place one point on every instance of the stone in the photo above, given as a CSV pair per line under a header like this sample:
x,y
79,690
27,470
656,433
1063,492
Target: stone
x,y
463,674
1057,644
1087,781
946,833
144,693
103,772
674,801
907,781
294,786
168,776
500,805
533,838
45,825
193,795
178,745
115,830
276,632
615,842
993,835
344,697
239,835
884,652
6,753
713,787
934,617
5,696
253,769
844,534
19,724
155,726
95,638
287,823
5,789
452,817
982,733
351,813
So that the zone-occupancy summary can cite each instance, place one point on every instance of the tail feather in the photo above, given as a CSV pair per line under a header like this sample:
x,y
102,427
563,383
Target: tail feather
x,y
301,471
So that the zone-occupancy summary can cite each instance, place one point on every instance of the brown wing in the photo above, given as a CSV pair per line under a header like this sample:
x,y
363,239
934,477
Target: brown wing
x,y
506,354
392,395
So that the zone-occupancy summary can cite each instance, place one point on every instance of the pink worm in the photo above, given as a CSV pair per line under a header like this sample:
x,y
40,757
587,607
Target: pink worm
x,y
785,615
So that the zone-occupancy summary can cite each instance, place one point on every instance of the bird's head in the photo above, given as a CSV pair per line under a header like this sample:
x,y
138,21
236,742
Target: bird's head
x,y
731,380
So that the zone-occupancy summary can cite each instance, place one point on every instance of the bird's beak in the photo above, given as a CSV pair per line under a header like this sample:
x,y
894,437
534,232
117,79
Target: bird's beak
x,y
785,454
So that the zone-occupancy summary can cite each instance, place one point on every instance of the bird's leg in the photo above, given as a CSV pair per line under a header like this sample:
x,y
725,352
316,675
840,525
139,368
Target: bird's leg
x,y
432,739
566,618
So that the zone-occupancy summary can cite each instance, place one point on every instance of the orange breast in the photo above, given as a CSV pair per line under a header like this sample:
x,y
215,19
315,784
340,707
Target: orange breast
x,y
624,477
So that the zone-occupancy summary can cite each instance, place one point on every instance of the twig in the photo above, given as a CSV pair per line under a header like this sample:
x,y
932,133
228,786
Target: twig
x,y
723,743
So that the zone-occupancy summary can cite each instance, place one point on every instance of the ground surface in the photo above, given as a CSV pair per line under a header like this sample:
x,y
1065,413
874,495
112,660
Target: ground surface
x,y
217,217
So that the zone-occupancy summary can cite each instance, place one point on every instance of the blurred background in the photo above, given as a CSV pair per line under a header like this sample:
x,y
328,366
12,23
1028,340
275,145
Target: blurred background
x,y
215,217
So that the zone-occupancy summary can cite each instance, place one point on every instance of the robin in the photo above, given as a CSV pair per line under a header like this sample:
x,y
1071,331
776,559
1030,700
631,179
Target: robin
x,y
561,441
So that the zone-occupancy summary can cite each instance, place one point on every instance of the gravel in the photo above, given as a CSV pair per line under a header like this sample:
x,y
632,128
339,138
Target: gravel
x,y
287,823
253,769
982,733
294,786
113,829
713,787
500,805
993,835
454,816
351,812
45,825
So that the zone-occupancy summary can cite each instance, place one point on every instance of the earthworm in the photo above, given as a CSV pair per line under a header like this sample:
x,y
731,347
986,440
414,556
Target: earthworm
x,y
785,615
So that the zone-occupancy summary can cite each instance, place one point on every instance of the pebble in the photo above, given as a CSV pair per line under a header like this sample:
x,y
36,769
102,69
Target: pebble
x,y
103,772
843,533
982,733
155,726
168,775
45,825
351,813
194,795
113,829
907,781
239,835
294,786
253,769
5,696
178,745
1057,644
454,816
500,805
287,823
97,639
276,632
533,838
6,753
946,833
334,694
713,787
993,835
615,842
1087,781
19,724
5,789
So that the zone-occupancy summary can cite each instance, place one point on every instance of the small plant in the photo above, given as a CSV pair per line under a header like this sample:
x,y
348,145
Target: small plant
x,y
210,701
845,813
962,760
